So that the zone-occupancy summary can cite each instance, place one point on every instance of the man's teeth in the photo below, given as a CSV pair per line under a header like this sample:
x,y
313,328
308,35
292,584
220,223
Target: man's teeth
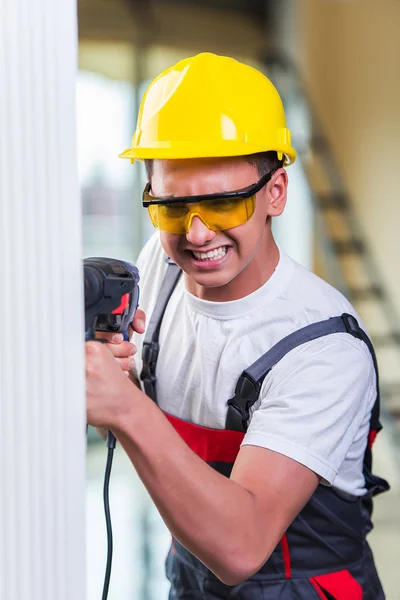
x,y
212,254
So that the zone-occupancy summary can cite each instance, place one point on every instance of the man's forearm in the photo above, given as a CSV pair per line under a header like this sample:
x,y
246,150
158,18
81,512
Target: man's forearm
x,y
135,380
214,517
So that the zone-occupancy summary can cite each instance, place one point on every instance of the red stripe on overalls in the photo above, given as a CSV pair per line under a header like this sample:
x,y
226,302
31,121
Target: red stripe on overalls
x,y
372,437
340,585
212,445
286,556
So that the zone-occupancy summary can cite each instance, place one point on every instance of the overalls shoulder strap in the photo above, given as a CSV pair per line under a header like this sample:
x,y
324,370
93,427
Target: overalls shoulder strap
x,y
249,384
150,344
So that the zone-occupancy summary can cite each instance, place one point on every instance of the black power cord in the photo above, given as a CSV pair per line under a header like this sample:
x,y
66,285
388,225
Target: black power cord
x,y
111,441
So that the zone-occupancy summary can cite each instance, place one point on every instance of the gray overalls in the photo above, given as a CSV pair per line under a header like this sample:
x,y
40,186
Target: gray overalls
x,y
324,553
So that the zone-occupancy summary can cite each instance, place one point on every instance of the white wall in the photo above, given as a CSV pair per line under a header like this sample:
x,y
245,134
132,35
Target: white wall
x,y
42,420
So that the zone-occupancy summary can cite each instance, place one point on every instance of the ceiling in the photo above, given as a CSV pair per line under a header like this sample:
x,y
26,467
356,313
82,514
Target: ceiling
x,y
222,26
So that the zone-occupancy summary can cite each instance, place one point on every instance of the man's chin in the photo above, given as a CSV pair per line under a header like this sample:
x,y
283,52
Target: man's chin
x,y
210,279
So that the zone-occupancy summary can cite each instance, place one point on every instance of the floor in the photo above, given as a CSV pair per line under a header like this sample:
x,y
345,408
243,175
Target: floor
x,y
141,540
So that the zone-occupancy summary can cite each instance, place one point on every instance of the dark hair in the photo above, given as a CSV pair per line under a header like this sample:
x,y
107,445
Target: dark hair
x,y
264,162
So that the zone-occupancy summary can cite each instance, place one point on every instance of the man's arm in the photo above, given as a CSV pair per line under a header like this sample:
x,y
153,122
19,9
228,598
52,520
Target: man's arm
x,y
231,525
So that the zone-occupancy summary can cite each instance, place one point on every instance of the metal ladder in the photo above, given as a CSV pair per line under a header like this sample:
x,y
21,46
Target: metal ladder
x,y
342,253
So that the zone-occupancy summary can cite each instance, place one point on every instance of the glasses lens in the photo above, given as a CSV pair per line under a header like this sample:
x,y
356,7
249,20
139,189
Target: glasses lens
x,y
228,213
169,217
217,214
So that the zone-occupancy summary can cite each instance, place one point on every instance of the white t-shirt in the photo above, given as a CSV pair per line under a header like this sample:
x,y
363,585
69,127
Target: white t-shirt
x,y
314,405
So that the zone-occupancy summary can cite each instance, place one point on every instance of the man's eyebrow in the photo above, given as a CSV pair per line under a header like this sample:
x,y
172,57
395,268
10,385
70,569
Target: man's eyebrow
x,y
171,196
162,196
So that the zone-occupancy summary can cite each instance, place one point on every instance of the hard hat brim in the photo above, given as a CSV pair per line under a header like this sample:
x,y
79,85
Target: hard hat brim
x,y
172,151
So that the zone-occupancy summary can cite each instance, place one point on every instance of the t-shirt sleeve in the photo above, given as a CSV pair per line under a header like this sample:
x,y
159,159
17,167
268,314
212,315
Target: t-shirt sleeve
x,y
314,402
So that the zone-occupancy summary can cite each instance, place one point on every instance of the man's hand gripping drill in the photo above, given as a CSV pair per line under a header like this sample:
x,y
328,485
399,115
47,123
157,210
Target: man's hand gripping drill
x,y
111,314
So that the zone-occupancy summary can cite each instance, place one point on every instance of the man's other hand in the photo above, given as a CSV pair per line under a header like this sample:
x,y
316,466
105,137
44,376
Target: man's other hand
x,y
124,351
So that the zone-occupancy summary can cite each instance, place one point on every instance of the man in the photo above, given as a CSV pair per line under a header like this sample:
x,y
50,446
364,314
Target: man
x,y
288,519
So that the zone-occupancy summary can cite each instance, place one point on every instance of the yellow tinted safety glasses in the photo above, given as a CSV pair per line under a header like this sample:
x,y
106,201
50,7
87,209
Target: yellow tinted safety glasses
x,y
217,211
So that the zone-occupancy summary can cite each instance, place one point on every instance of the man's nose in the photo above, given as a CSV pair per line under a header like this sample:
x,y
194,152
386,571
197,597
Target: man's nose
x,y
198,233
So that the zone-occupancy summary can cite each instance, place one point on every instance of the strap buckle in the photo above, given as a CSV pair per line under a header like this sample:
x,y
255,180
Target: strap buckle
x,y
246,394
149,355
351,324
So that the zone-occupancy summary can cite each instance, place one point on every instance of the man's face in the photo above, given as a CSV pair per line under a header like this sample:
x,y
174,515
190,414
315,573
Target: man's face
x,y
242,256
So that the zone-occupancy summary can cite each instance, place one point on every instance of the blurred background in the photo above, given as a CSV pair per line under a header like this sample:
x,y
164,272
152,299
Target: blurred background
x,y
336,63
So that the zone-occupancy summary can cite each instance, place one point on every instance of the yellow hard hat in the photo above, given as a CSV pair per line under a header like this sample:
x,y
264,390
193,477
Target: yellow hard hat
x,y
210,106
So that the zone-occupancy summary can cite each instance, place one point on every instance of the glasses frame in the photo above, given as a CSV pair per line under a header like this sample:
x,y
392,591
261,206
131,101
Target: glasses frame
x,y
246,192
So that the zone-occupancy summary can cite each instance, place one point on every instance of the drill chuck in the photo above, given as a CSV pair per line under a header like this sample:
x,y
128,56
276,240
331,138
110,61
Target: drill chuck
x,y
94,286
111,295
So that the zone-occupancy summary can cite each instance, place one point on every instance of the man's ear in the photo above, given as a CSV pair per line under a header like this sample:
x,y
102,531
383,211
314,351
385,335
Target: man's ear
x,y
278,193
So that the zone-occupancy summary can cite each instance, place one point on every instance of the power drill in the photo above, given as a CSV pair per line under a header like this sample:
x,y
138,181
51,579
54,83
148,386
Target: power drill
x,y
111,295
111,299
